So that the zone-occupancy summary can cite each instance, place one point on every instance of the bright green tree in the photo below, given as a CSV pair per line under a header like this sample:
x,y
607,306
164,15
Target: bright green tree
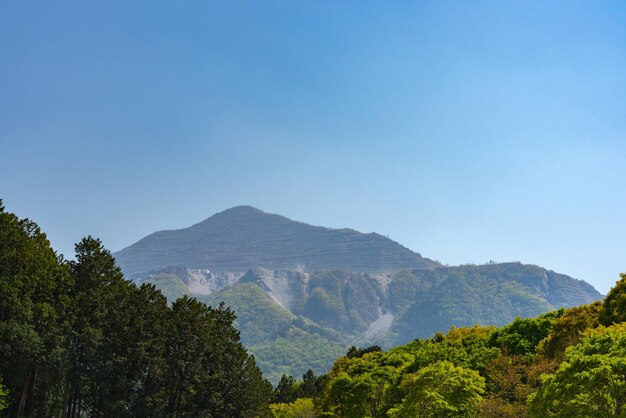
x,y
440,390
300,408
357,386
524,334
591,380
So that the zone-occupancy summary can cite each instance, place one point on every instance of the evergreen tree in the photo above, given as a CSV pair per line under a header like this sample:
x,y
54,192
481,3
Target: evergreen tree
x,y
99,296
34,286
285,391
210,373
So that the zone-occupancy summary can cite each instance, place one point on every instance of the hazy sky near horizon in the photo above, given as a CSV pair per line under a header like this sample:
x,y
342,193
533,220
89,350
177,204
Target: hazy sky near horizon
x,y
466,131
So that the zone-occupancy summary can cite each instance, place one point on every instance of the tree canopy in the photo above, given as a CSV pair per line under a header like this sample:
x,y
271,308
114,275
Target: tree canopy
x,y
591,380
77,339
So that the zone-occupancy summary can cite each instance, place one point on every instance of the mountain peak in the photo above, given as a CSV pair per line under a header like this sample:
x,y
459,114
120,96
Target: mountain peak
x,y
243,237
241,210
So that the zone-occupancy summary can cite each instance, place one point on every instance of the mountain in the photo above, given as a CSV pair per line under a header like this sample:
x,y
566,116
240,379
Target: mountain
x,y
303,294
244,237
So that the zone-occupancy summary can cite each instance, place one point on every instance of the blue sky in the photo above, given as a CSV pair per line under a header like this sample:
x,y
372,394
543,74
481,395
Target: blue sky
x,y
467,131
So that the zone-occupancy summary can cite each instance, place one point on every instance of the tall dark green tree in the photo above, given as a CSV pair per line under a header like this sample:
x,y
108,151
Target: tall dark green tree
x,y
101,298
285,391
77,339
34,295
210,372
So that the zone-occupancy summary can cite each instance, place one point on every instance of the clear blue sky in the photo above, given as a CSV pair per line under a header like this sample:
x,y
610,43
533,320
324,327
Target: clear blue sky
x,y
467,131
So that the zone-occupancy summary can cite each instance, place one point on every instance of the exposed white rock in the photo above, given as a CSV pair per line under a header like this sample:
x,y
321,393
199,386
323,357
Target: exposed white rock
x,y
204,282
379,327
285,287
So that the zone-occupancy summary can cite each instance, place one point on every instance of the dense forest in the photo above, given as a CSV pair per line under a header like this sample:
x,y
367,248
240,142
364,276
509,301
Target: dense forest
x,y
78,340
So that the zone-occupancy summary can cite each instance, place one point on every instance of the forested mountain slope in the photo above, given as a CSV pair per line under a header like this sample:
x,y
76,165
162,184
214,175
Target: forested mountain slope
x,y
334,288
326,312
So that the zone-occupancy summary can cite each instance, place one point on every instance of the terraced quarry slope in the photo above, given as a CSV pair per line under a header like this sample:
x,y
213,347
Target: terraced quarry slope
x,y
243,237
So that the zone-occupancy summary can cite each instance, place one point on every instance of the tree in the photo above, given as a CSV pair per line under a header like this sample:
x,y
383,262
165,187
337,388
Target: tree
x,y
590,382
209,371
311,385
100,299
568,330
356,386
285,390
614,306
509,387
34,287
440,390
300,408
360,352
523,335
77,339
3,396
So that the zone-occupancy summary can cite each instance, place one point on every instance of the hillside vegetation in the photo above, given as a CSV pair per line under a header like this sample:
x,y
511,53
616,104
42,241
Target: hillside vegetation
x,y
78,340
333,287
331,310
565,363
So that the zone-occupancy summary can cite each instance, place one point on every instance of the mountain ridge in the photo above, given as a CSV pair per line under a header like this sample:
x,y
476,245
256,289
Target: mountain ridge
x,y
244,237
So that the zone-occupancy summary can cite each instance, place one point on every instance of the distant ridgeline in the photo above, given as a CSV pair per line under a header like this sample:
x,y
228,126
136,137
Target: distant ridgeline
x,y
303,294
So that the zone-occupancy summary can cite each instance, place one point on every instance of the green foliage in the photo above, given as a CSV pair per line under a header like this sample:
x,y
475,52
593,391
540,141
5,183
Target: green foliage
x,y
461,297
170,285
339,307
288,389
360,352
285,391
458,374
614,306
403,290
300,408
440,390
590,382
296,351
258,317
343,300
34,316
523,335
76,339
508,384
467,347
357,386
281,342
3,393
569,329
210,373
